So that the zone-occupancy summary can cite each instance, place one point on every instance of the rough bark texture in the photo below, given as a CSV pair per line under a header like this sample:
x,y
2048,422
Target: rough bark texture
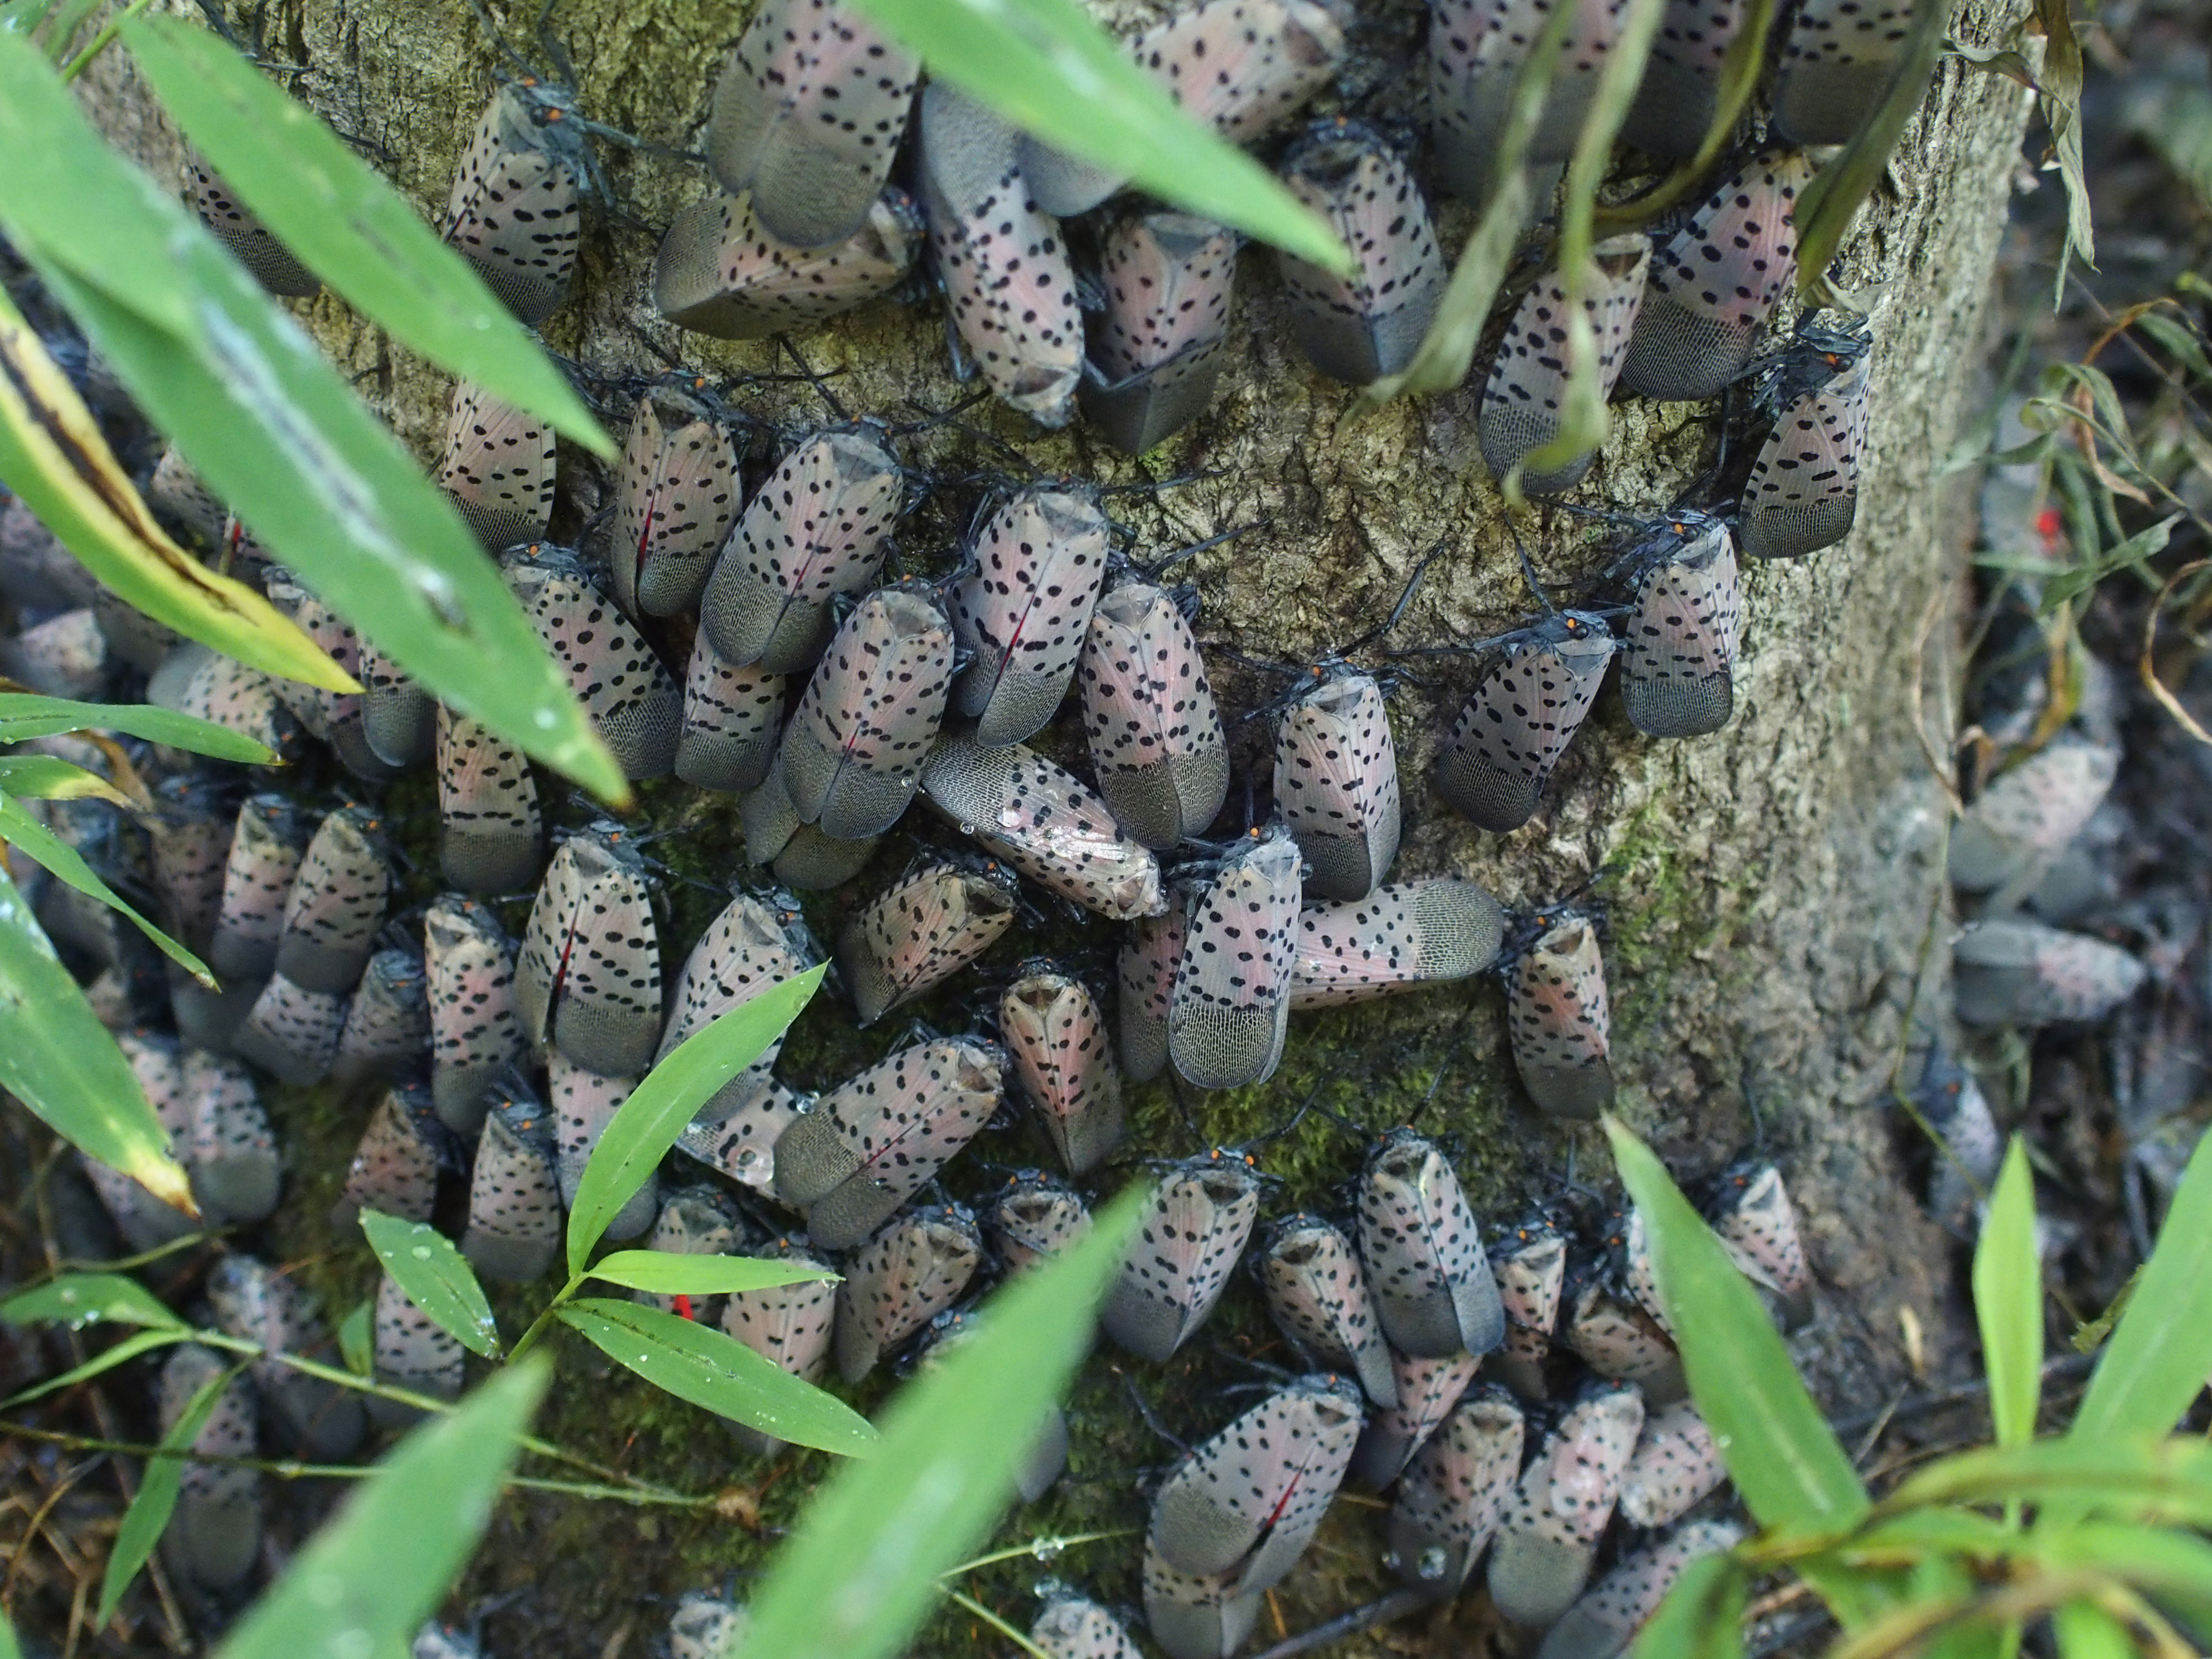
x,y
1771,890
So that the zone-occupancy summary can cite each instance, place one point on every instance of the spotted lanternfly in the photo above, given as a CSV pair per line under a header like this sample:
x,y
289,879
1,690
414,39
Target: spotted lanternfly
x,y
1541,1557
1197,1615
1803,491
1041,820
1477,49
1950,1099
1524,711
1454,1493
497,467
799,854
1639,1274
696,1220
1558,1017
1144,977
512,209
514,1194
411,1351
1527,387
1047,1457
1399,939
145,1221
719,273
1249,1499
2022,973
1679,93
395,1169
1361,327
490,836
1155,347
922,932
741,1141
214,1535
1617,1338
1156,744
1231,1005
1070,1626
1605,1622
1426,1271
1195,1230
870,1143
1675,1464
178,490
1056,1036
256,1303
1836,65
2025,819
266,845
1317,1295
1716,281
582,1104
589,980
790,1325
1022,610
475,1031
292,1033
634,704
900,1279
65,656
189,830
731,721
1678,654
675,491
387,1027
1004,264
852,753
1530,1265
1750,1210
336,904
818,528
336,718
808,115
1427,1390
237,228
1034,1217
704,1627
1336,783
240,699
230,1148
756,942
398,717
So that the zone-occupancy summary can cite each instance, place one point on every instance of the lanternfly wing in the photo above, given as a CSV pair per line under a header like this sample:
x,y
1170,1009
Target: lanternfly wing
x,y
1541,1557
1399,938
387,1029
410,1350
1678,658
1336,785
1362,327
788,1324
1803,491
1156,351
675,491
1431,1283
1232,994
1427,1390
1034,1217
588,981
901,1279
1476,49
731,718
1557,1015
292,1034
1056,1037
719,273
336,904
512,209
1180,1261
476,1032
497,467
634,704
237,228
583,1103
1243,66
1156,744
1455,1492
1608,1617
1317,1295
266,846
1755,1220
491,832
1023,609
1837,63
514,1194
1676,1463
1523,712
1679,93
395,1168
922,932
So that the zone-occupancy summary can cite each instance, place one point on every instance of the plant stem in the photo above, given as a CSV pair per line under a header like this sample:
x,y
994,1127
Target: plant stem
x,y
997,1624
1041,1547
99,41
529,1338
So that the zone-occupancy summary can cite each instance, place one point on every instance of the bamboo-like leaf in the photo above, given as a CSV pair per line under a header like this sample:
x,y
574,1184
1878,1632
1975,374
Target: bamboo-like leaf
x,y
107,1359
862,1572
2165,1560
58,1060
653,1117
41,777
1702,1617
358,1339
2061,102
2008,1301
272,427
26,834
436,1277
52,455
669,1274
1044,65
2141,548
2161,1351
1741,67
2086,1631
158,1486
720,1373
9,1650
2132,1477
24,714
348,226
77,1300
374,1572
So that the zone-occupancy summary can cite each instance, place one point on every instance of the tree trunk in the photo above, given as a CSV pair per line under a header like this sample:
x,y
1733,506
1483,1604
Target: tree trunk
x,y
1771,890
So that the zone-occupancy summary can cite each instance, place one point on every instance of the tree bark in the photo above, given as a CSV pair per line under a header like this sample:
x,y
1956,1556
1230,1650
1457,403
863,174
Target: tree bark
x,y
1771,890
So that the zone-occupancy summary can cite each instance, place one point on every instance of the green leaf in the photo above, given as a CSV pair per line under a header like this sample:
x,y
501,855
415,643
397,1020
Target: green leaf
x,y
375,1571
273,430
41,777
157,1496
650,1120
358,1339
720,1373
1044,65
2008,1301
2161,1352
669,1274
24,714
58,1060
861,1573
9,1650
105,1361
77,1300
2130,1477
25,833
2161,1559
2076,579
53,455
2086,1631
347,225
436,1277
1702,1617
2060,102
